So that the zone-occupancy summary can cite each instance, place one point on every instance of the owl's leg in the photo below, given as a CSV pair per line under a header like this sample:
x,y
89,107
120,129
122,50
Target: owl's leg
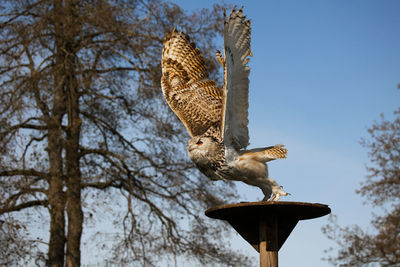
x,y
273,197
277,190
265,198
267,192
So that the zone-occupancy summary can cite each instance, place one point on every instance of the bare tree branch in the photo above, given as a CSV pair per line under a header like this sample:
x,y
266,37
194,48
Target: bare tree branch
x,y
25,205
382,187
83,123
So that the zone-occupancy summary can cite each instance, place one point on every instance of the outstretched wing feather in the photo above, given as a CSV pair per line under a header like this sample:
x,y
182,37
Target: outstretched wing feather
x,y
236,80
196,100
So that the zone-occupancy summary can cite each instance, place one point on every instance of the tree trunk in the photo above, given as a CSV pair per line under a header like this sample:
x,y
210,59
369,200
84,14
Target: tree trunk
x,y
56,195
66,101
74,202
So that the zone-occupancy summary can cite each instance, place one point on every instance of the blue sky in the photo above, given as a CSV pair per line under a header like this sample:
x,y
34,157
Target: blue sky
x,y
321,73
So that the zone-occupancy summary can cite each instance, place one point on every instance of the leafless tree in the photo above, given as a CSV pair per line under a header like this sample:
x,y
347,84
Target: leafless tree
x,y
358,247
83,124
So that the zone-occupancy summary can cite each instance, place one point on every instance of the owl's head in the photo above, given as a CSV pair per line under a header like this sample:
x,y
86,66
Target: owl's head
x,y
202,148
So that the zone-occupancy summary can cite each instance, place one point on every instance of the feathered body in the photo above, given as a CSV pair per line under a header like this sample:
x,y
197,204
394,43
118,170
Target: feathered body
x,y
217,118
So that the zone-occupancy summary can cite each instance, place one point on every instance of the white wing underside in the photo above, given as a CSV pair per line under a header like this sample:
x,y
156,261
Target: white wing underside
x,y
236,80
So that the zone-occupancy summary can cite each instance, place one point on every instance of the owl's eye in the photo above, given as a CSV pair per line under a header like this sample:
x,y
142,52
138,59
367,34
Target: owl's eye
x,y
199,143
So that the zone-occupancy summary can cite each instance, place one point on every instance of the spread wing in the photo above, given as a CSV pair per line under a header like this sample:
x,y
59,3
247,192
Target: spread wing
x,y
196,100
236,80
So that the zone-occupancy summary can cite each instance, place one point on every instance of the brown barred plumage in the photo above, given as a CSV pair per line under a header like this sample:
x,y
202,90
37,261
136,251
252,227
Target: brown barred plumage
x,y
196,100
217,118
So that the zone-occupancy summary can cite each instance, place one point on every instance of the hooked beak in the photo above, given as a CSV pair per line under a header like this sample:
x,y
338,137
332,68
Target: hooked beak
x,y
190,147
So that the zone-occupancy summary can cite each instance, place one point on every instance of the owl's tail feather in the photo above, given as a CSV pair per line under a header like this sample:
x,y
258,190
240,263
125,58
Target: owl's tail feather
x,y
265,154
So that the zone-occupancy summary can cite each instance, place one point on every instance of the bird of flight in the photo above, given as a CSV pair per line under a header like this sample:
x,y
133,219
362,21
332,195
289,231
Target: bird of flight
x,y
217,118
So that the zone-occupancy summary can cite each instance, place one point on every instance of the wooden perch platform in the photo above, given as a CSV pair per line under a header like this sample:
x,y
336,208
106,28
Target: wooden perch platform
x,y
267,225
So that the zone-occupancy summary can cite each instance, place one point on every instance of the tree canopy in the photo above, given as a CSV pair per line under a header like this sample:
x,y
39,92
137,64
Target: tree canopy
x,y
85,134
358,247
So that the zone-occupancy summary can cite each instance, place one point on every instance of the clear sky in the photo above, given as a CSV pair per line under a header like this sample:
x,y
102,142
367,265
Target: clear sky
x,y
321,73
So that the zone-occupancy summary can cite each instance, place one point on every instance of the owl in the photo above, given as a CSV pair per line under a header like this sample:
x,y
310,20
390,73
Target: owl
x,y
217,118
